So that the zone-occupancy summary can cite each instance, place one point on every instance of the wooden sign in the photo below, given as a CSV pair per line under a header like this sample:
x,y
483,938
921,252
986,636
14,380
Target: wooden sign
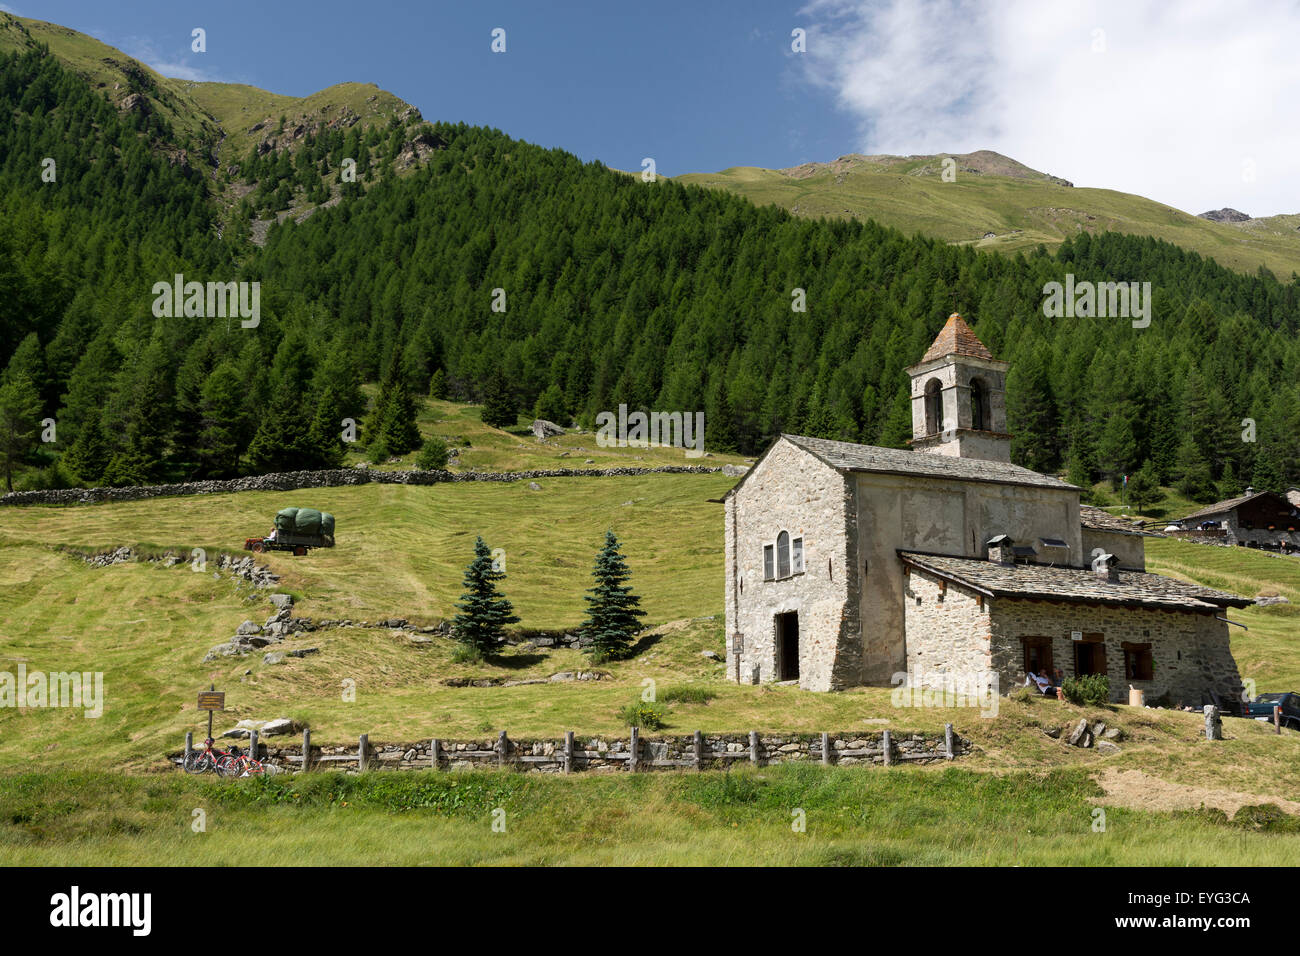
x,y
212,700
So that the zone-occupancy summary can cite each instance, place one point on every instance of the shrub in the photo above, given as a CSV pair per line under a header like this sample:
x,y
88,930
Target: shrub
x,y
466,654
1091,689
433,454
377,453
645,715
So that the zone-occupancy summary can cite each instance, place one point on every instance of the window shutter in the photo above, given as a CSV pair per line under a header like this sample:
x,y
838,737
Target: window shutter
x,y
769,571
796,556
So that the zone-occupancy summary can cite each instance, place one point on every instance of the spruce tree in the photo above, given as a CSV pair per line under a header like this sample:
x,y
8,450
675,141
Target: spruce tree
x,y
484,611
1143,488
20,410
613,609
499,407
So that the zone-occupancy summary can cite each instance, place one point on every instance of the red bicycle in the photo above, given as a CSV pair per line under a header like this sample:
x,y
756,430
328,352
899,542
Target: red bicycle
x,y
220,762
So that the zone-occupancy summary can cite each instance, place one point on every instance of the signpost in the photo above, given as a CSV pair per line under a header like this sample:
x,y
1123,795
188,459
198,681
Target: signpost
x,y
211,700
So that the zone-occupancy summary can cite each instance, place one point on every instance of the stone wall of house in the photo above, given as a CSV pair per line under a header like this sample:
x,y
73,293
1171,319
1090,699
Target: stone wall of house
x,y
719,751
1190,652
331,478
948,633
943,517
788,490
1129,548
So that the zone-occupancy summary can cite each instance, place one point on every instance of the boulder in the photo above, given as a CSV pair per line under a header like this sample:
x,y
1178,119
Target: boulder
x,y
282,601
544,429
534,486
248,627
562,676
278,727
1080,730
303,652
274,657
734,471
1107,748
710,655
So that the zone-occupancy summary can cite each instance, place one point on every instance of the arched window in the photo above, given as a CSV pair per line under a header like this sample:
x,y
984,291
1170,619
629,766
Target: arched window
x,y
933,407
979,406
783,554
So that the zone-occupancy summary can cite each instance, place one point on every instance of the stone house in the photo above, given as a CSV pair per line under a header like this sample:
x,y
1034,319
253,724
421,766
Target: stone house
x,y
1257,519
851,564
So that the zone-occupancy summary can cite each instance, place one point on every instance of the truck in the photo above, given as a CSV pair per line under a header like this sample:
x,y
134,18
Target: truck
x,y
296,530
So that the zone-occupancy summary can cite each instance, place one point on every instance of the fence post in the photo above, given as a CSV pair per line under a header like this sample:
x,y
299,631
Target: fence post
x,y
189,746
433,752
753,747
1277,718
503,743
826,749
568,751
1213,725
947,741
635,747
306,749
888,745
252,744
362,746
699,750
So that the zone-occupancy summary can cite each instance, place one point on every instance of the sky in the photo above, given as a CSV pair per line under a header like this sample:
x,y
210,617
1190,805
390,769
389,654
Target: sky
x,y
1192,103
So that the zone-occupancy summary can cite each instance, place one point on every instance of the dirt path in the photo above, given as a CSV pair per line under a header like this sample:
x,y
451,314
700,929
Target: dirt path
x,y
1141,791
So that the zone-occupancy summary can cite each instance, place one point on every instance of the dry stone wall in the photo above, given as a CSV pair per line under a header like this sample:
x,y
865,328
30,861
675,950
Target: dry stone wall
x,y
602,754
295,480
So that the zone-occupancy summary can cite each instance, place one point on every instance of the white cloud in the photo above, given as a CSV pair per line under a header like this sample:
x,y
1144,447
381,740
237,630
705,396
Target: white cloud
x,y
143,49
1178,104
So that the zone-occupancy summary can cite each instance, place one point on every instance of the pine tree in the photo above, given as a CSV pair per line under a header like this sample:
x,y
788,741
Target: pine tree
x,y
484,611
438,385
550,406
222,429
499,407
20,411
398,430
612,607
1143,488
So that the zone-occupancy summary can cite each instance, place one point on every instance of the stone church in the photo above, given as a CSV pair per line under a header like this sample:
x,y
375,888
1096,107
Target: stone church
x,y
851,564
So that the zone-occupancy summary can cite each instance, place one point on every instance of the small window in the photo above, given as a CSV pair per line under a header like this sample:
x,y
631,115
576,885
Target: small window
x,y
783,554
796,556
1138,664
1038,654
769,567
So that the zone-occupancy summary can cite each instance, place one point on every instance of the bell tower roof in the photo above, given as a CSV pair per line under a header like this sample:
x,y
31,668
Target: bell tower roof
x,y
956,338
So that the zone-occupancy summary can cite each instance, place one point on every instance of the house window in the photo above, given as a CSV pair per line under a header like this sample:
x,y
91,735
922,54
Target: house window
x,y
1090,655
1138,664
796,556
769,568
783,554
783,558
1038,654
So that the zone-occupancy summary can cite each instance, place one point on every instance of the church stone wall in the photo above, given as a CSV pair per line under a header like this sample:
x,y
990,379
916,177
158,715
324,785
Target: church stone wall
x,y
948,633
1129,548
790,490
942,517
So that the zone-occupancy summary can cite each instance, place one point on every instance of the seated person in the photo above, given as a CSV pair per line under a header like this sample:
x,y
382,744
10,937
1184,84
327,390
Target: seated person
x,y
1042,682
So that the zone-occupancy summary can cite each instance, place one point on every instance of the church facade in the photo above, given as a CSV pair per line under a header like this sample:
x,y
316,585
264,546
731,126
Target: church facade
x,y
851,564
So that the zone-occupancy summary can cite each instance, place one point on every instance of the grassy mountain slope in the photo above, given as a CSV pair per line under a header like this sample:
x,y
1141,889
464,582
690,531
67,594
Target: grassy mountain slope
x,y
994,194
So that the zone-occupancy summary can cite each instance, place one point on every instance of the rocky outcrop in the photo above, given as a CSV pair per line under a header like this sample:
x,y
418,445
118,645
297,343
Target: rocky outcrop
x,y
544,429
1226,214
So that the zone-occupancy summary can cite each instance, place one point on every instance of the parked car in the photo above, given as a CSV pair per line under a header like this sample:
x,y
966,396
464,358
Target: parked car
x,y
1261,708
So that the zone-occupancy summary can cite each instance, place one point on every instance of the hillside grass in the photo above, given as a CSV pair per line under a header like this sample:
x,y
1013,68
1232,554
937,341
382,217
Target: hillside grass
x,y
1021,212
487,448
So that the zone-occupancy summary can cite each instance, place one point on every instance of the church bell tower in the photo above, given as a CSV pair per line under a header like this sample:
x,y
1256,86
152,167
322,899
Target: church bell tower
x,y
959,397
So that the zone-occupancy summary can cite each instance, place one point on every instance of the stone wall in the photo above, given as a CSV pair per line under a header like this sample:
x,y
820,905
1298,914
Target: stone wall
x,y
294,480
718,751
948,633
788,490
1189,651
1131,549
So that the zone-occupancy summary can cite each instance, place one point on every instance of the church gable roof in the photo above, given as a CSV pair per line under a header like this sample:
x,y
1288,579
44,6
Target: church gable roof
x,y
956,338
1072,585
846,456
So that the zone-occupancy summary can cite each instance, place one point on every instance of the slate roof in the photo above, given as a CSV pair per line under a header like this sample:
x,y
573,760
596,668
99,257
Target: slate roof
x,y
1072,585
847,456
1099,520
1219,507
956,338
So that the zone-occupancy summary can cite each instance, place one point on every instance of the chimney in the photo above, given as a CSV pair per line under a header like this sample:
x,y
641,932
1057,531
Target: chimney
x,y
1105,566
1002,550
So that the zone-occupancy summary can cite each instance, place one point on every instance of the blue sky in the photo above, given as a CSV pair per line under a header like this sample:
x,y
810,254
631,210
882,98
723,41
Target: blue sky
x,y
698,87
1195,104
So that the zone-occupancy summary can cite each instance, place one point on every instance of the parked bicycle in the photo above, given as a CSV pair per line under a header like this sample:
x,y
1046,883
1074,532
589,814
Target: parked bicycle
x,y
243,764
210,760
